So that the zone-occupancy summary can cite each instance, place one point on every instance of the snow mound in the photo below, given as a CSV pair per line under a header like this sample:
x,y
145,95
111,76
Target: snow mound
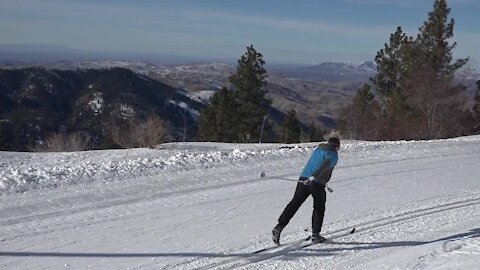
x,y
29,171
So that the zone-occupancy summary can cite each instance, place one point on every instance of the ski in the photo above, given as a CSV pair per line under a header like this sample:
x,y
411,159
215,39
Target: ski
x,y
280,246
269,252
258,253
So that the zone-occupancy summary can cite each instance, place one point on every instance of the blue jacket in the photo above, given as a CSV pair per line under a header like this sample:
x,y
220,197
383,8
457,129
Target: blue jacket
x,y
321,164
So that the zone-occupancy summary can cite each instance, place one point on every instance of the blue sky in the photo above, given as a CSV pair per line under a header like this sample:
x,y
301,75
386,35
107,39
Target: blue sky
x,y
301,31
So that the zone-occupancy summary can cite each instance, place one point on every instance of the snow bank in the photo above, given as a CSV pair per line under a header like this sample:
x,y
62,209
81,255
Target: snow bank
x,y
22,172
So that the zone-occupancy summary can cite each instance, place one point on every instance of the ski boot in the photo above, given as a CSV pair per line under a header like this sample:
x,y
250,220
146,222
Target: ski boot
x,y
276,234
317,238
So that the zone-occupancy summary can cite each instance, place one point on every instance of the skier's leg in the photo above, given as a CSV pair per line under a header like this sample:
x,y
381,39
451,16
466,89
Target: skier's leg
x,y
301,194
319,198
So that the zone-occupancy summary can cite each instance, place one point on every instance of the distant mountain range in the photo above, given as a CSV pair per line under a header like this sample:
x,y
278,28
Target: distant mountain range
x,y
334,72
315,92
328,71
42,53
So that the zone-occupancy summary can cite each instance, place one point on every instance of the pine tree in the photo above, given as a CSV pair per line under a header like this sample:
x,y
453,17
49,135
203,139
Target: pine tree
x,y
207,128
249,83
389,62
392,62
364,98
433,95
415,81
218,121
315,133
236,115
360,120
476,109
290,132
433,38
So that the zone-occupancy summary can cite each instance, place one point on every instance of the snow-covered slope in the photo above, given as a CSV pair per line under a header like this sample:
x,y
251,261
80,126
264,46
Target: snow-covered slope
x,y
415,205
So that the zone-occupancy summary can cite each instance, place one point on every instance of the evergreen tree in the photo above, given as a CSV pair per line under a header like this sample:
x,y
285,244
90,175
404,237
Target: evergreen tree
x,y
290,132
315,133
249,83
415,81
207,128
237,115
476,109
392,62
217,122
389,64
360,120
6,135
433,95
364,99
433,38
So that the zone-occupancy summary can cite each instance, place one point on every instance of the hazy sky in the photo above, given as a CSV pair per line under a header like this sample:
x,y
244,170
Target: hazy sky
x,y
294,31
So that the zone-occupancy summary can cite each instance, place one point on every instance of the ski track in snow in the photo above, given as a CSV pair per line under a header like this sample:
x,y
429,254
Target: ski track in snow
x,y
204,206
378,224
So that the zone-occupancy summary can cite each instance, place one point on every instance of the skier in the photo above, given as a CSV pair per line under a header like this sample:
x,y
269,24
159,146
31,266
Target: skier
x,y
313,180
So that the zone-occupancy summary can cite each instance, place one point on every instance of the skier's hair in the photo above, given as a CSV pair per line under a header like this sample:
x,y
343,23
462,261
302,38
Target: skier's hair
x,y
334,141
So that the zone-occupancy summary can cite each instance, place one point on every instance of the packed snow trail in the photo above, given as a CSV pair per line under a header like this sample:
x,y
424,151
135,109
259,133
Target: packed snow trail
x,y
265,254
205,206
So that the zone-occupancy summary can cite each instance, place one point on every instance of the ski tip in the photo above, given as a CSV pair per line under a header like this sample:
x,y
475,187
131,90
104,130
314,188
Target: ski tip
x,y
353,230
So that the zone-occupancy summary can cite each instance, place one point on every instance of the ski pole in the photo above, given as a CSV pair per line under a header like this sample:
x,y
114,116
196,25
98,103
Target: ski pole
x,y
293,180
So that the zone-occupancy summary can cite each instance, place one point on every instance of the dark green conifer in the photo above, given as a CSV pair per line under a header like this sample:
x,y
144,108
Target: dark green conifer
x,y
249,83
236,115
217,122
360,120
476,108
290,131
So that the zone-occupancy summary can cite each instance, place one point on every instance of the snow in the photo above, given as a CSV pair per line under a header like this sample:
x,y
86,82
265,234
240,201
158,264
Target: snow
x,y
126,111
201,95
25,172
96,104
414,204
201,68
184,106
458,251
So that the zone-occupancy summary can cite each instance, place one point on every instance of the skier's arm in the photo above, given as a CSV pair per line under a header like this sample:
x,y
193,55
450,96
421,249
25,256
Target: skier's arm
x,y
324,172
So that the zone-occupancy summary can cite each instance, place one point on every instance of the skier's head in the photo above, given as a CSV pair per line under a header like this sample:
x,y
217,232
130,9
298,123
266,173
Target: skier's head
x,y
334,143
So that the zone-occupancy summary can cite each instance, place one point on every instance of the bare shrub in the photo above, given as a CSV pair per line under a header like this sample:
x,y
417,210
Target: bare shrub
x,y
148,133
439,103
333,133
362,118
152,132
304,137
63,142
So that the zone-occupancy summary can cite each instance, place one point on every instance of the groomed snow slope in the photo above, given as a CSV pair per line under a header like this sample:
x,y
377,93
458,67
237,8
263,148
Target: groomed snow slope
x,y
415,205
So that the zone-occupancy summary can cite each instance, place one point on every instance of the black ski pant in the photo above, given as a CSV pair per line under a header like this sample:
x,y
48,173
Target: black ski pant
x,y
301,194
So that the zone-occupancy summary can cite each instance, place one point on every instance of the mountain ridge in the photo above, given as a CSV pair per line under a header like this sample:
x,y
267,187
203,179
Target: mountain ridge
x,y
200,80
36,101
